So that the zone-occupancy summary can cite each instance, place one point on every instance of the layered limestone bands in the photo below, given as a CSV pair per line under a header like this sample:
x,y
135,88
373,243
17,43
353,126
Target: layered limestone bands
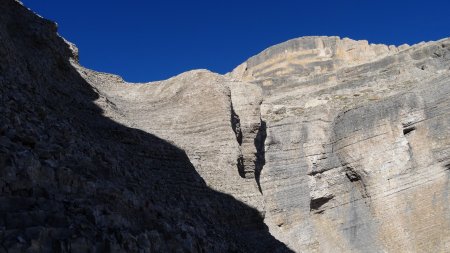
x,y
318,144
209,116
311,56
368,141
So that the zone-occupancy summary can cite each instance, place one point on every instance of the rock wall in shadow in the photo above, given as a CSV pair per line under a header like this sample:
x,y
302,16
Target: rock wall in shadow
x,y
72,180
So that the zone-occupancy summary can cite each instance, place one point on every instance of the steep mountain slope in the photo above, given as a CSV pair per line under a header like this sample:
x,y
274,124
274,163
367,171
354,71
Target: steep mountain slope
x,y
324,132
74,180
330,144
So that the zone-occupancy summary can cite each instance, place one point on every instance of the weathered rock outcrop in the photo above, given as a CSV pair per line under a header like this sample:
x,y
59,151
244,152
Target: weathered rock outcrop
x,y
358,144
330,144
338,143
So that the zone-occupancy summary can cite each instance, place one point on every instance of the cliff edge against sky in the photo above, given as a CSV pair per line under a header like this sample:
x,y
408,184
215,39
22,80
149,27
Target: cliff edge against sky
x,y
318,144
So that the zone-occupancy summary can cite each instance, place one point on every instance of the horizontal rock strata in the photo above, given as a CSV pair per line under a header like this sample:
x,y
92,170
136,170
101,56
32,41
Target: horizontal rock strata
x,y
357,146
318,144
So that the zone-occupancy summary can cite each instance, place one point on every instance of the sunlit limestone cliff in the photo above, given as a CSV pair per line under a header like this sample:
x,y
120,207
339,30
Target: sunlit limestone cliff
x,y
318,144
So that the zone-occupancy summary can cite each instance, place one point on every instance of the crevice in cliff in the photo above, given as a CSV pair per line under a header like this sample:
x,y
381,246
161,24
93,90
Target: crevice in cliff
x,y
316,203
355,178
260,151
250,131
240,166
408,130
352,175
447,166
320,171
236,124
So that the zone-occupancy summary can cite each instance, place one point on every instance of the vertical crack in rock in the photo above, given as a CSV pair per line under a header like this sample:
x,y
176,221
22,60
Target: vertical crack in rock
x,y
260,152
240,166
250,133
236,126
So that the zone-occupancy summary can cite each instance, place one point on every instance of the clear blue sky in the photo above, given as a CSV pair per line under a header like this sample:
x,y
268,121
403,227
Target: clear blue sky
x,y
146,40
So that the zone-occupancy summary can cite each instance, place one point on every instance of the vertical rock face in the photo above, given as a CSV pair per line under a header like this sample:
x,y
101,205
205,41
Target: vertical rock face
x,y
329,144
338,143
357,148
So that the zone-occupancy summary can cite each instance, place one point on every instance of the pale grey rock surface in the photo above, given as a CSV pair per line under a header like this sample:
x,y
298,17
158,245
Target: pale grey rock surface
x,y
332,145
340,144
358,144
